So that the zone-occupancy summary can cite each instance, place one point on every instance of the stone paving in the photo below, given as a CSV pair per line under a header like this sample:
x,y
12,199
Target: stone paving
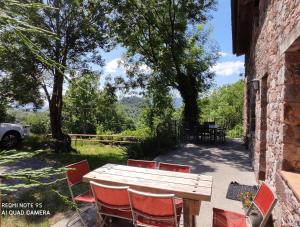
x,y
225,162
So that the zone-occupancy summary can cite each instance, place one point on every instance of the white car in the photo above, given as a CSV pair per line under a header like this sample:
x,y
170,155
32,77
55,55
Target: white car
x,y
12,134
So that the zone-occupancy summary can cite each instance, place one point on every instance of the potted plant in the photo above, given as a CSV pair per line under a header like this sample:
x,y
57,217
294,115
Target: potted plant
x,y
254,215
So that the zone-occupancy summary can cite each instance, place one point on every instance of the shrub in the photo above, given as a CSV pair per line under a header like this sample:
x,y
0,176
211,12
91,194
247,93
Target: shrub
x,y
236,132
39,122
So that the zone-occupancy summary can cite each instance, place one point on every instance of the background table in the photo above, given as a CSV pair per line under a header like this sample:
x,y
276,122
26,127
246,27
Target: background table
x,y
193,188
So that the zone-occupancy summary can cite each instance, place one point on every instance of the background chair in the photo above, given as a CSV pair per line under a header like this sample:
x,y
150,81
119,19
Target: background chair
x,y
264,201
74,174
153,209
112,201
174,167
142,163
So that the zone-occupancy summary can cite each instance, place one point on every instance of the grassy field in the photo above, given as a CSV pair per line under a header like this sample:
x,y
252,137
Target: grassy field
x,y
96,154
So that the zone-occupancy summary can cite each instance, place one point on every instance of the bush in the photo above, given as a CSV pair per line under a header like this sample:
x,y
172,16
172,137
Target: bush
x,y
151,145
38,122
140,132
236,132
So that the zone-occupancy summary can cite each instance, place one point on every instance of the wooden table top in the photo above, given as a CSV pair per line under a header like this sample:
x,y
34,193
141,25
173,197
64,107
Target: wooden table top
x,y
183,185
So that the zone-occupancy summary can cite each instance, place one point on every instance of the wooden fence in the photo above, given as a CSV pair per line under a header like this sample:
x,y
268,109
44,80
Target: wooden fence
x,y
109,139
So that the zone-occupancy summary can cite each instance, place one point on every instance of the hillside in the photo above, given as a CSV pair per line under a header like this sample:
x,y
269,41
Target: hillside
x,y
132,106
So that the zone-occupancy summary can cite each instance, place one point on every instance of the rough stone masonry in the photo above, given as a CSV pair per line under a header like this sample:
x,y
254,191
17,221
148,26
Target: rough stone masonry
x,y
267,32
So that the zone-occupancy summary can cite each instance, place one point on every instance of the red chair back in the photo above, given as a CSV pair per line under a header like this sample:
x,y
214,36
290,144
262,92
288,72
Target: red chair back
x,y
76,172
153,209
142,163
174,167
111,196
264,199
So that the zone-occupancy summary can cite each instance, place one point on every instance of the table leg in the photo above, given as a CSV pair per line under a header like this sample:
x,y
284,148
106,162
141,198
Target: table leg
x,y
190,209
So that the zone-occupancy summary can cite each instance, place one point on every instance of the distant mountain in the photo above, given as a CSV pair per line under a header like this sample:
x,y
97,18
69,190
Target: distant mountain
x,y
132,106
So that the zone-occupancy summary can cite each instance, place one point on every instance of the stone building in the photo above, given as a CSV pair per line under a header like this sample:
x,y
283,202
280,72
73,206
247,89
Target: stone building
x,y
267,32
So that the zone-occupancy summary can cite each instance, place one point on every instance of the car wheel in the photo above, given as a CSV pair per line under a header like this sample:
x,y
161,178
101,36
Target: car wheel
x,y
10,140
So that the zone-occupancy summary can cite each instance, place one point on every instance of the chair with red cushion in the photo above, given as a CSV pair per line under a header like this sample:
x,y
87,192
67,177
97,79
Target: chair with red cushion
x,y
264,201
142,163
74,174
174,167
153,210
111,201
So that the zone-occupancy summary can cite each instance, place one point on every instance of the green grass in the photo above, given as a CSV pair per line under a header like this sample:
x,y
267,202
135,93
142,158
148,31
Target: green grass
x,y
96,154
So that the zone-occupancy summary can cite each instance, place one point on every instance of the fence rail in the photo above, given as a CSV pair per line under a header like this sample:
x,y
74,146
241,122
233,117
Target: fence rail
x,y
111,139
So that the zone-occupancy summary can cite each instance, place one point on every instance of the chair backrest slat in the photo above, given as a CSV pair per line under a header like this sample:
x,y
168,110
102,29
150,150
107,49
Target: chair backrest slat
x,y
76,172
264,199
153,206
174,167
142,163
110,195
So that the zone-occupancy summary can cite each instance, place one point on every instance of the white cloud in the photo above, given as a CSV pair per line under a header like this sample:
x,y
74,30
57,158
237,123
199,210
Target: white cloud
x,y
112,66
117,64
224,54
228,68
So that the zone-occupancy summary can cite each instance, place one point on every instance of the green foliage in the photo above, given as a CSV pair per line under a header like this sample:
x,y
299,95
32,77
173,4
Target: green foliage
x,y
78,31
225,107
158,108
133,106
143,133
110,115
3,109
95,111
80,106
38,122
164,36
236,132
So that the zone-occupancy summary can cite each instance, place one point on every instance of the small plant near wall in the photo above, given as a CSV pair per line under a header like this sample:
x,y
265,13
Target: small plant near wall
x,y
246,198
254,215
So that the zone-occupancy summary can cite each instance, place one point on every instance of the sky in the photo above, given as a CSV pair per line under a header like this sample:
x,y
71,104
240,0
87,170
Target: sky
x,y
227,69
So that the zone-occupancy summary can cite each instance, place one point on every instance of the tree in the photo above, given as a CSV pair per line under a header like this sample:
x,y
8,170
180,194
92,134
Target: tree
x,y
95,110
169,38
158,108
224,105
80,104
79,29
110,115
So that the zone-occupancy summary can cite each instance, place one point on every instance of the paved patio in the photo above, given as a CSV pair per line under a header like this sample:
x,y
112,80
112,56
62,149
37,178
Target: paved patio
x,y
225,162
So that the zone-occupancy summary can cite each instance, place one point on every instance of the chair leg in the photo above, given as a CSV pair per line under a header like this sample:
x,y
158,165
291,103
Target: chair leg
x,y
77,216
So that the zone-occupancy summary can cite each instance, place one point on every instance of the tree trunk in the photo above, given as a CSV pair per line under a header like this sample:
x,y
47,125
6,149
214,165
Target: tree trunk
x,y
189,93
61,142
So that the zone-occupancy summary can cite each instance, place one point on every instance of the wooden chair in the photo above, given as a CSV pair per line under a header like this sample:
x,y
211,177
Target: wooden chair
x,y
153,209
142,163
264,201
74,177
111,201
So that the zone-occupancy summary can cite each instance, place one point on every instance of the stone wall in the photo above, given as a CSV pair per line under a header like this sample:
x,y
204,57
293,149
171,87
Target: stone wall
x,y
275,142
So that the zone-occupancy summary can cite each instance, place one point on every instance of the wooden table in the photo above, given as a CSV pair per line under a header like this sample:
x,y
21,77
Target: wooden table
x,y
193,188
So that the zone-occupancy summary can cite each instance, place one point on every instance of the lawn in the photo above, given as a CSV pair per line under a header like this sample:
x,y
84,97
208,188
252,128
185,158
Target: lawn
x,y
96,154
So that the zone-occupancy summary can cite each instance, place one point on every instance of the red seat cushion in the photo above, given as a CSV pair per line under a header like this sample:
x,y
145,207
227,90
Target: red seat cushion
x,y
127,214
224,218
85,198
154,223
